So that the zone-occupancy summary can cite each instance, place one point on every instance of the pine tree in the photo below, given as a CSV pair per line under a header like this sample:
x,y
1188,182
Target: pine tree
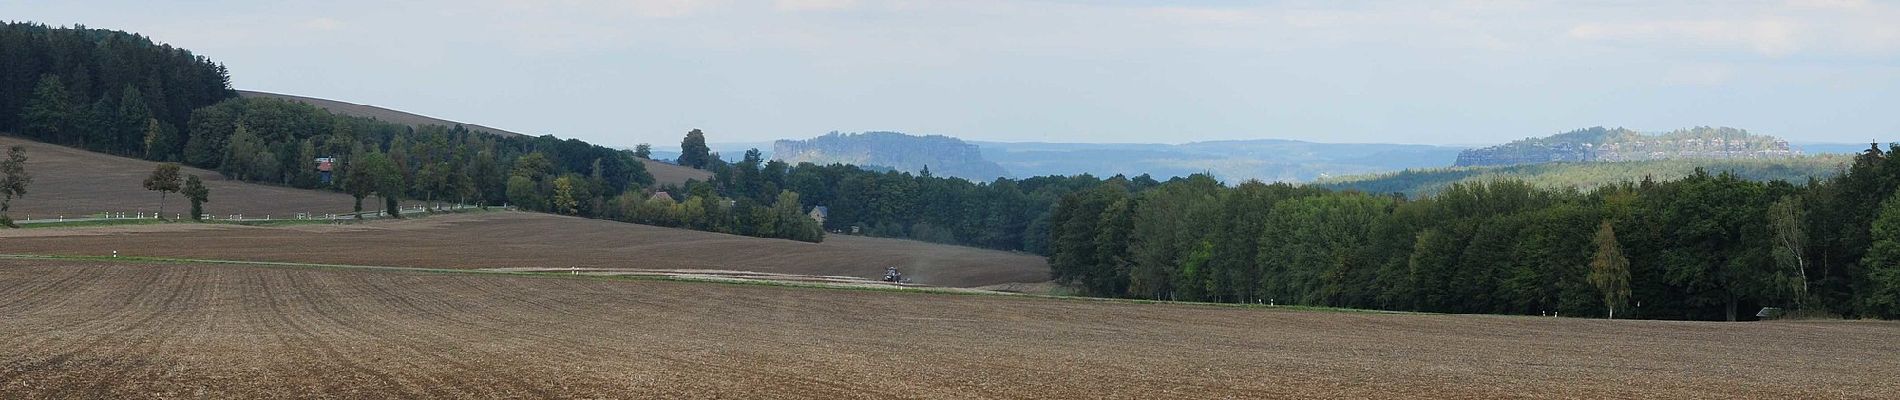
x,y
50,115
130,123
1882,295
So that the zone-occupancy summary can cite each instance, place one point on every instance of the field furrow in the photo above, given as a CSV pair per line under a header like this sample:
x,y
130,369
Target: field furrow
x,y
126,330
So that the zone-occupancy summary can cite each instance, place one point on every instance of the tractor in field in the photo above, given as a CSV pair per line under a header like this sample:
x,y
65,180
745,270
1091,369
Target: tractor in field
x,y
893,276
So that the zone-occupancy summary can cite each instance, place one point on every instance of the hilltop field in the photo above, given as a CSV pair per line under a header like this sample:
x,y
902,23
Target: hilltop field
x,y
71,182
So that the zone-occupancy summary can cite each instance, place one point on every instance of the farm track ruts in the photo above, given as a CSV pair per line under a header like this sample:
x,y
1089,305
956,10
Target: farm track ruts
x,y
126,330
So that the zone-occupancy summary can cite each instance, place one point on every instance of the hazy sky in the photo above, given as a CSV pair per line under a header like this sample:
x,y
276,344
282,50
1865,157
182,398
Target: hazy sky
x,y
1456,72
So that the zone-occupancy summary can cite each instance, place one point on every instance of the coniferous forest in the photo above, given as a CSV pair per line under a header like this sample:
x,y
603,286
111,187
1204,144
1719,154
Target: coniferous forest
x,y
1707,246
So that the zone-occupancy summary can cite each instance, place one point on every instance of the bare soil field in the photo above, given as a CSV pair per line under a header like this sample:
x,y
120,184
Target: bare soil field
x,y
79,329
519,239
72,182
664,173
368,111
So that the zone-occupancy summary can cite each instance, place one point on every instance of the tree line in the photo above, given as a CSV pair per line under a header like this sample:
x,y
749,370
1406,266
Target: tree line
x,y
1005,214
1705,247
101,90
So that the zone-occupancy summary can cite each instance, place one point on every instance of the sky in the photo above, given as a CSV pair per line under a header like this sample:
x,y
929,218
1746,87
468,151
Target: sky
x,y
1432,72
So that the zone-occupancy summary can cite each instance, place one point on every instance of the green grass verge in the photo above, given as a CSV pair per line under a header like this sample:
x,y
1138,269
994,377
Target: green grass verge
x,y
91,223
264,223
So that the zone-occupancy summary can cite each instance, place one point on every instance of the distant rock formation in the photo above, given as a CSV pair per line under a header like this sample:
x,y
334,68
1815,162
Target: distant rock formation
x,y
941,155
1619,144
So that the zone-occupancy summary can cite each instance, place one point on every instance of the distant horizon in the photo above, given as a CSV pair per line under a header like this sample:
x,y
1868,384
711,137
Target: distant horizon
x,y
1427,72
767,143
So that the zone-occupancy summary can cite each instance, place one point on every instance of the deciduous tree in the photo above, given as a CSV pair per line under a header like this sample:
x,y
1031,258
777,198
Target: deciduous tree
x,y
1610,270
693,150
164,180
13,177
196,191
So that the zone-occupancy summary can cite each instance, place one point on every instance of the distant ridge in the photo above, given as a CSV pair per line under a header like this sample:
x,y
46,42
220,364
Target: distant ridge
x,y
942,155
1619,144
368,111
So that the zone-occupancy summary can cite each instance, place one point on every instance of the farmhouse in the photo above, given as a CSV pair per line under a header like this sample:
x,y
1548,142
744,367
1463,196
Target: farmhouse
x,y
819,213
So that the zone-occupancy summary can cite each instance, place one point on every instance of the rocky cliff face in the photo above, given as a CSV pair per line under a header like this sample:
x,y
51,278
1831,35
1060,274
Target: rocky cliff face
x,y
1608,145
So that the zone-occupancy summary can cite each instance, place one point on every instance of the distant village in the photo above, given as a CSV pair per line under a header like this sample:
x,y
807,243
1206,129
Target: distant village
x,y
1653,148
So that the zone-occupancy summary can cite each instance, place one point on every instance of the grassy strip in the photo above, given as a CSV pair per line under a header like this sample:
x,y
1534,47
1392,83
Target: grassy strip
x,y
90,223
259,222
654,278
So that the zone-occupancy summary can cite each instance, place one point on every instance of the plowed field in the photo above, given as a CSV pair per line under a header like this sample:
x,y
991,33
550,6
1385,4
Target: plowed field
x,y
519,239
119,330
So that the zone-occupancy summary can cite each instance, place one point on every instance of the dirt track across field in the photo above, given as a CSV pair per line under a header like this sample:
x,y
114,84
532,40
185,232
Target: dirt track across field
x,y
119,330
520,239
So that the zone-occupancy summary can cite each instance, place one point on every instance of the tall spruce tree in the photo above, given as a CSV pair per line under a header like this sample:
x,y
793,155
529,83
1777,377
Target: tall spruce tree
x,y
1881,296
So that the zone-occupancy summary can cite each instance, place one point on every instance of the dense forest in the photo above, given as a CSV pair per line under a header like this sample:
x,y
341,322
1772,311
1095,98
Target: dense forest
x,y
1005,214
1589,175
1707,246
101,90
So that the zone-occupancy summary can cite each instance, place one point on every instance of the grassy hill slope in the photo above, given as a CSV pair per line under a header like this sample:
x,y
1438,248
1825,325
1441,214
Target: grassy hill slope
x,y
72,182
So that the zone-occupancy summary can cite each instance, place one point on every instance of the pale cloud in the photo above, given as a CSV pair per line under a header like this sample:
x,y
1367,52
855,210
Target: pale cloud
x,y
812,5
1699,75
1769,37
1205,15
1845,4
614,8
322,24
